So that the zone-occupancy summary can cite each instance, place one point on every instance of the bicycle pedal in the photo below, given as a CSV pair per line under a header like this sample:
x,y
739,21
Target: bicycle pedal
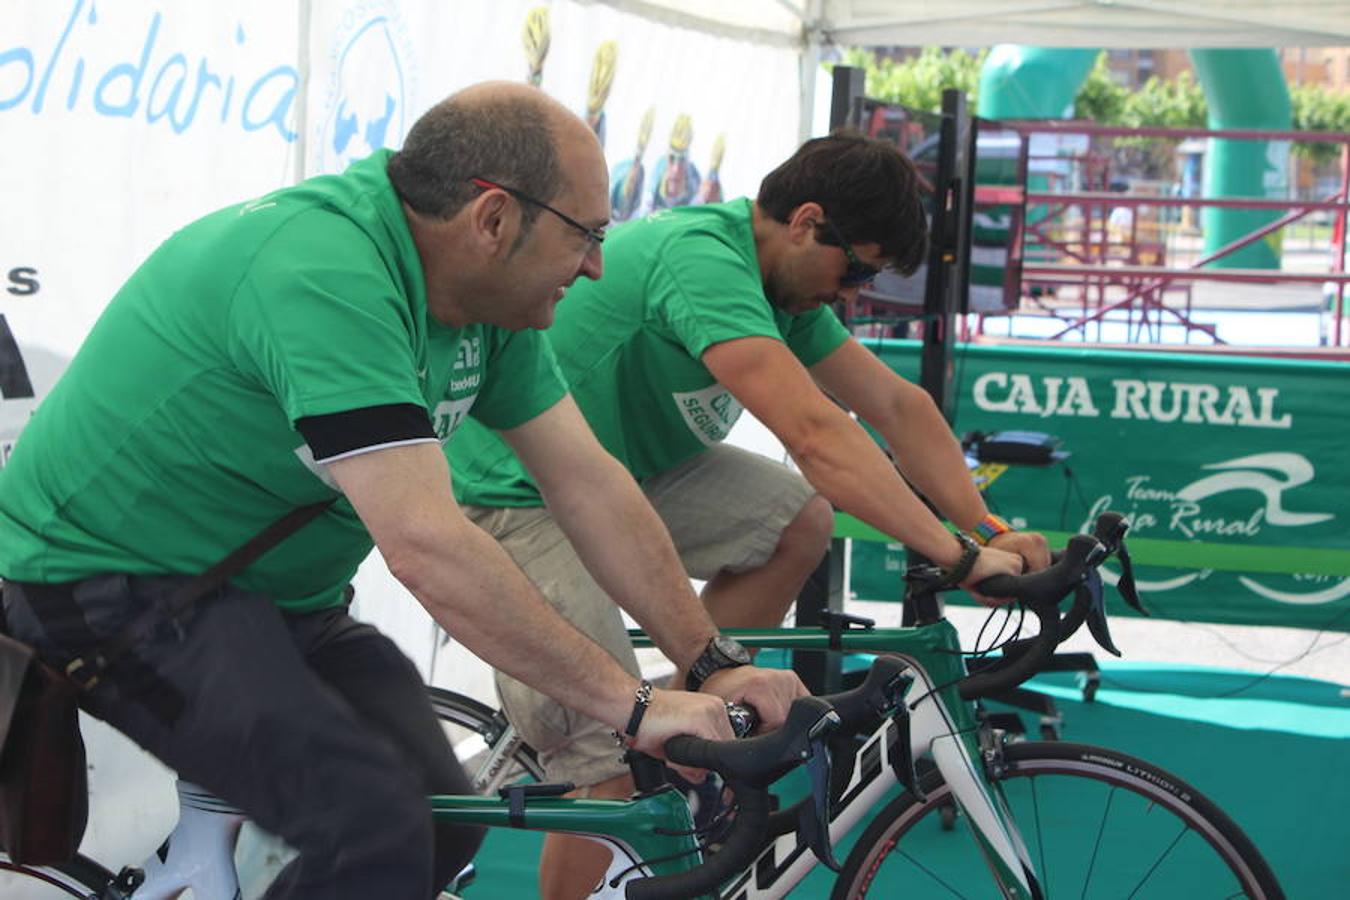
x,y
129,879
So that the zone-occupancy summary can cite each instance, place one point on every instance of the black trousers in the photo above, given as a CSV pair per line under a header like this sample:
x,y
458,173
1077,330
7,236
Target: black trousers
x,y
315,725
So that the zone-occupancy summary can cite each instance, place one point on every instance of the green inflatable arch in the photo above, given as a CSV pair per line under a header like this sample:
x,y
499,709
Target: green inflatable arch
x,y
1243,89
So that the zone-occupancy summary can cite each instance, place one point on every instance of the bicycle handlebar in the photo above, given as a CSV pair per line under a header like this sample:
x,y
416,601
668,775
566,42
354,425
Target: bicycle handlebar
x,y
1042,592
750,765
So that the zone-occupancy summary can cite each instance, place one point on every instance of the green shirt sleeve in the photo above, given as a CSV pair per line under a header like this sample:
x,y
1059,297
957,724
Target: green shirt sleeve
x,y
814,335
522,381
705,292
324,338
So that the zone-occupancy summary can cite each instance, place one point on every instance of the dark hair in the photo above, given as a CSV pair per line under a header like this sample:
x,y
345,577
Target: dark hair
x,y
508,140
868,189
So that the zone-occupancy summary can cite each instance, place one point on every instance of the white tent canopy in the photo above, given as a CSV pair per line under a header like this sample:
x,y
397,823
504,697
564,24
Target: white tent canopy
x,y
1046,23
814,25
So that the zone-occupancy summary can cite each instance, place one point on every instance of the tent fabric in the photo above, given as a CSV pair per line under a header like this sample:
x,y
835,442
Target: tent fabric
x,y
1046,23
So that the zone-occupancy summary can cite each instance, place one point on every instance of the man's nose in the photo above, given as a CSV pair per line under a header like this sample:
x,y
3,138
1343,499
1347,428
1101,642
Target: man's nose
x,y
593,263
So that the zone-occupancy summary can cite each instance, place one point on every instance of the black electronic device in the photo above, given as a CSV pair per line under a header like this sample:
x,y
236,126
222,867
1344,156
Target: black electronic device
x,y
1015,448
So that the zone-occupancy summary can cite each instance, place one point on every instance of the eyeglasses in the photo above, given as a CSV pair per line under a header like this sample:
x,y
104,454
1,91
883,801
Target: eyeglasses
x,y
594,235
858,272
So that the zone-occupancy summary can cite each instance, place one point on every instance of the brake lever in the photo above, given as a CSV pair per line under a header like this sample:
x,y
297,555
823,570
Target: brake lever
x,y
1128,590
813,822
902,752
1091,590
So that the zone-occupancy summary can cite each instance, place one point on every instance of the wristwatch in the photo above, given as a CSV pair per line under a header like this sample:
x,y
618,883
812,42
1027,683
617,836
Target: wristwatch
x,y
959,572
722,652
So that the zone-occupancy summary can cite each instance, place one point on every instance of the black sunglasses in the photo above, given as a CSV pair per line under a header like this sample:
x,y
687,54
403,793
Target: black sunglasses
x,y
858,272
594,235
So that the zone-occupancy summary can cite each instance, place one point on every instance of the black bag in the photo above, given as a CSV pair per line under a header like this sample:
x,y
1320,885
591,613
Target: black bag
x,y
44,799
44,790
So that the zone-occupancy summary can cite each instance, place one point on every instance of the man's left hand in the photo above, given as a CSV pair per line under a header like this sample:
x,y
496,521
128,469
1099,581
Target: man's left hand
x,y
1030,545
769,691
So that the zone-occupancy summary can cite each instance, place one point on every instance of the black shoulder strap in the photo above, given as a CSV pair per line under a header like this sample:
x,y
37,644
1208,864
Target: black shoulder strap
x,y
85,670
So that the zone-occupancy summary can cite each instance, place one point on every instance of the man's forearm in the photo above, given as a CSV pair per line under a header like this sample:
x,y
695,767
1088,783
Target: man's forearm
x,y
478,595
850,470
627,549
930,456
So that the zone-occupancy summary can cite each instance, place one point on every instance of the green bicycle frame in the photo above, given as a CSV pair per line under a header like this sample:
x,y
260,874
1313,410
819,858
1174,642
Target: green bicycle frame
x,y
941,723
650,835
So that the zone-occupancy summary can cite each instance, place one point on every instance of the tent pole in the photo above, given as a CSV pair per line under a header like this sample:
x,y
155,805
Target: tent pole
x,y
809,68
303,64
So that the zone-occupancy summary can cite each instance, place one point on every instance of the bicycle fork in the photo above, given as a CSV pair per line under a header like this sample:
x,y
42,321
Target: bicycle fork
x,y
957,752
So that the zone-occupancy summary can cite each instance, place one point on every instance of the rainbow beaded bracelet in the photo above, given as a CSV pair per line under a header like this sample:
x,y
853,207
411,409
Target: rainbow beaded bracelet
x,y
988,528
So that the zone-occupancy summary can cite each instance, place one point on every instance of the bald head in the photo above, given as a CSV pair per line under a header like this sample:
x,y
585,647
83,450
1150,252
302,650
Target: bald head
x,y
501,131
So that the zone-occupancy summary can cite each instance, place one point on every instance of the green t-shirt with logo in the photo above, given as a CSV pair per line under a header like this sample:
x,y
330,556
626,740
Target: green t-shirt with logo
x,y
170,441
631,347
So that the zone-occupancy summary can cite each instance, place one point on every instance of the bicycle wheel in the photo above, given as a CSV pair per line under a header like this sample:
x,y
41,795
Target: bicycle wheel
x,y
80,877
485,742
1097,824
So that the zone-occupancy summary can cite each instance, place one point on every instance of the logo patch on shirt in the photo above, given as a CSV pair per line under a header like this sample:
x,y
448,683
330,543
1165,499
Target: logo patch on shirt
x,y
447,415
709,413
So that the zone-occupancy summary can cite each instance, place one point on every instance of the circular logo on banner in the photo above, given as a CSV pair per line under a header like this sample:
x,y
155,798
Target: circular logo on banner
x,y
27,373
369,87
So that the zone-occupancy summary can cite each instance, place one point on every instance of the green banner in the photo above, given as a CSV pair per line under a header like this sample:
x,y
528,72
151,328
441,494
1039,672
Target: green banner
x,y
1232,470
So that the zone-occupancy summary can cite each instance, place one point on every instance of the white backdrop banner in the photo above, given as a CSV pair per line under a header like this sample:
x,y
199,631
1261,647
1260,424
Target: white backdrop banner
x,y
122,121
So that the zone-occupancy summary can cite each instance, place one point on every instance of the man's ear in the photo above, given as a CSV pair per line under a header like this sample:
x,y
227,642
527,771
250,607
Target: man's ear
x,y
494,222
802,222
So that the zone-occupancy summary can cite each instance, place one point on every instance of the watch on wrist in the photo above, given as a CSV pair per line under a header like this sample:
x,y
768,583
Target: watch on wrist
x,y
722,652
958,573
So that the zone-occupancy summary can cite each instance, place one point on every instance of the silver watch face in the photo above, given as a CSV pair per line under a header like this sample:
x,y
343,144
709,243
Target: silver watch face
x,y
731,649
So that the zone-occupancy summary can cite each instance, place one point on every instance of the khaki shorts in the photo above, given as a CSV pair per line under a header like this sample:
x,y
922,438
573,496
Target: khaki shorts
x,y
725,510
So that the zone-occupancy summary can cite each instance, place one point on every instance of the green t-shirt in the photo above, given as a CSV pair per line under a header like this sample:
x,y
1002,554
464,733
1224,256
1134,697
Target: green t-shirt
x,y
170,441
631,347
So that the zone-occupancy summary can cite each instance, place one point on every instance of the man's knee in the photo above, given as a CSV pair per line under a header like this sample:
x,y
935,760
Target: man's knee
x,y
807,536
369,807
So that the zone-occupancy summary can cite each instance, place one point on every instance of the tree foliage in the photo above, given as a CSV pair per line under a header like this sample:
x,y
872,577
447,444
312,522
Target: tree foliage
x,y
1100,99
918,82
1317,109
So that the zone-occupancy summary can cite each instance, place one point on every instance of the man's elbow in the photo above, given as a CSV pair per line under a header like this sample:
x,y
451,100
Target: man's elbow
x,y
415,556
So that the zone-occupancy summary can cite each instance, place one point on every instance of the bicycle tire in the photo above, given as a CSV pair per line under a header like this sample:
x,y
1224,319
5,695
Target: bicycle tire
x,y
1080,811
491,752
78,877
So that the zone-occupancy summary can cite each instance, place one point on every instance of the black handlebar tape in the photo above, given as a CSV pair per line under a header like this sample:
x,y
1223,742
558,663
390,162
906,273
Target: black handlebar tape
x,y
861,708
757,761
1041,591
742,844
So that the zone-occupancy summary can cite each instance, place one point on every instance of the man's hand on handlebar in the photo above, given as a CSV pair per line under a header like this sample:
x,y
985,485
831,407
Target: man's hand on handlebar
x,y
769,691
991,561
674,713
1030,545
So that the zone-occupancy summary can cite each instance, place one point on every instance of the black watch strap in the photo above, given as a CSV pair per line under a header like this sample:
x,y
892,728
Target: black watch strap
x,y
961,571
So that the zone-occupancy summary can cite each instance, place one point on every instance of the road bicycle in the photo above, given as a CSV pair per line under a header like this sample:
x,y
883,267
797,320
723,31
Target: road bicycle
x,y
943,801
